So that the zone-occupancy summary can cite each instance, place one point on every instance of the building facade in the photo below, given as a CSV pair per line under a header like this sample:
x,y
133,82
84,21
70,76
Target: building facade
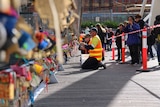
x,y
109,9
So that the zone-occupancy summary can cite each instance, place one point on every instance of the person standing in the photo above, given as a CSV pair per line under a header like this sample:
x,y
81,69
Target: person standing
x,y
139,20
133,40
105,39
95,52
157,36
119,40
109,42
101,33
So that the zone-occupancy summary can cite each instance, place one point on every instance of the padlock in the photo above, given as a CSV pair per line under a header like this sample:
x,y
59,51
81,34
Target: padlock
x,y
43,44
26,41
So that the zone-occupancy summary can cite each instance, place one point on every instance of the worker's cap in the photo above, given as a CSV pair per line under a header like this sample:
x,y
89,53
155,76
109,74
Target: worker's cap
x,y
94,29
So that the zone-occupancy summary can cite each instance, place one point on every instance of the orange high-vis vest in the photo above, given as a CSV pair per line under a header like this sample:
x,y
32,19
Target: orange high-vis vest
x,y
97,51
81,37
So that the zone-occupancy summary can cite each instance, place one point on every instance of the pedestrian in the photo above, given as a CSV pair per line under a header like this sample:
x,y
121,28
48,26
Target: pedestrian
x,y
109,42
119,40
101,33
139,20
95,52
105,39
133,40
157,36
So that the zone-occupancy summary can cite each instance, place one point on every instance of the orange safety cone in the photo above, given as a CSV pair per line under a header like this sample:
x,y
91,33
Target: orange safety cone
x,y
113,48
123,48
144,51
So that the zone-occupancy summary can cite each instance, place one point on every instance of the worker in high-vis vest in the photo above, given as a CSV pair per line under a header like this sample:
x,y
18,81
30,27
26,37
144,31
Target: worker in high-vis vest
x,y
95,52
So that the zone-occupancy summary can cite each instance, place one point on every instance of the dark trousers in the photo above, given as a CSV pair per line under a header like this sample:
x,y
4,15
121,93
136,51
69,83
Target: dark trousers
x,y
158,52
105,46
135,53
91,63
119,49
150,51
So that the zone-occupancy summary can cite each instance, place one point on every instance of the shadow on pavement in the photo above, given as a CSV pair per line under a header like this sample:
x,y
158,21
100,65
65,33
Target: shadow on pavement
x,y
76,72
96,90
154,68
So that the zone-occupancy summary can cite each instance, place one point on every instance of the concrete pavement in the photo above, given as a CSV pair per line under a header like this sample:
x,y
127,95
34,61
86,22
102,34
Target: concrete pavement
x,y
120,85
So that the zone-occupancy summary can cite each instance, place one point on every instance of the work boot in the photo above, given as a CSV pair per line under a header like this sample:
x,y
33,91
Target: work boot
x,y
102,65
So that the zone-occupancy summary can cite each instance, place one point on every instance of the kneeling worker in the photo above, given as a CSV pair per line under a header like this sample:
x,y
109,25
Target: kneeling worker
x,y
95,52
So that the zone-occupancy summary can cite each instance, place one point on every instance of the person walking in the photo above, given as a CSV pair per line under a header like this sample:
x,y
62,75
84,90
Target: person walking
x,y
119,40
133,40
157,36
95,52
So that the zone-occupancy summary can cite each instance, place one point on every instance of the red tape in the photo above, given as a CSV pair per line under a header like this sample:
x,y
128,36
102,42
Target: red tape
x,y
148,28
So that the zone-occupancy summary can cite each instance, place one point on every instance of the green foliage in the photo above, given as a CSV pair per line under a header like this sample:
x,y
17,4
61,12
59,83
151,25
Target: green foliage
x,y
87,24
109,24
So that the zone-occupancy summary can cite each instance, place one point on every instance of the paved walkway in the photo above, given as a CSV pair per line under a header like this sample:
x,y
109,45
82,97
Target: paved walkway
x,y
120,85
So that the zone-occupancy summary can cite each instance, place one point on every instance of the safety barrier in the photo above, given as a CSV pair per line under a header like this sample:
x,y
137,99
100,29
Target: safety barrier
x,y
113,48
148,28
144,49
144,45
123,48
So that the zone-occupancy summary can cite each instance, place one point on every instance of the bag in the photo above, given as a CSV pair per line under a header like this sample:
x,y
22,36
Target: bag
x,y
158,38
